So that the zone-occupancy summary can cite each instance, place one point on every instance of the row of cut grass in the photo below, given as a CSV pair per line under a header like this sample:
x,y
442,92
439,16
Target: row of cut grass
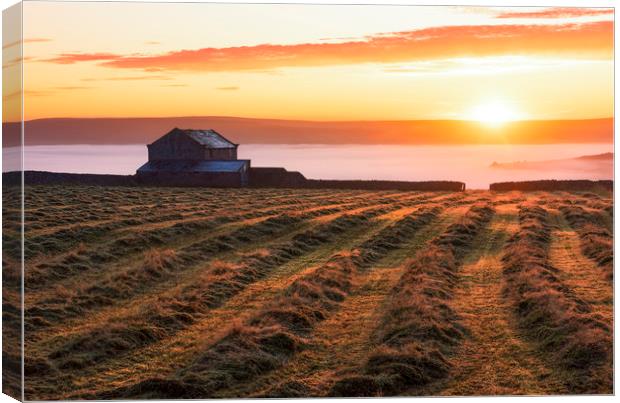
x,y
596,240
418,326
571,335
288,319
64,237
218,283
157,266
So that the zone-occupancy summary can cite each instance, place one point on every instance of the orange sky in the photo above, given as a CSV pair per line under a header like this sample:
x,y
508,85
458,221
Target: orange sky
x,y
314,62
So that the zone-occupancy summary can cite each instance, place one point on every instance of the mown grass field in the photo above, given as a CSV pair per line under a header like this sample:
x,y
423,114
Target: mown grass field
x,y
203,293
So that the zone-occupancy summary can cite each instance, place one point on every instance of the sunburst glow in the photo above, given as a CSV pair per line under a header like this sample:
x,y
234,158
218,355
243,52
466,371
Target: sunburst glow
x,y
494,113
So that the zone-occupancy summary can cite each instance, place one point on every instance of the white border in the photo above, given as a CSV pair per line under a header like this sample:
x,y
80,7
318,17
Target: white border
x,y
522,3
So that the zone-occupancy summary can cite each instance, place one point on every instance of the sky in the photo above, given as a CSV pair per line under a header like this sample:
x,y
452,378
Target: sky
x,y
315,62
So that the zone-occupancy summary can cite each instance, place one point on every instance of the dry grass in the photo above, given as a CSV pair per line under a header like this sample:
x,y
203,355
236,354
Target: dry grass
x,y
156,260
596,240
247,292
550,313
493,359
185,305
418,326
321,288
262,343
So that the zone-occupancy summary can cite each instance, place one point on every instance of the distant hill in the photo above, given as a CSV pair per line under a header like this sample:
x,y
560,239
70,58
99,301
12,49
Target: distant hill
x,y
587,163
273,131
602,157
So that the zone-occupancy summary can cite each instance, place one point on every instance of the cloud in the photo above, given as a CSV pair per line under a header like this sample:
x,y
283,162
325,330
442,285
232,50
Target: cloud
x,y
73,87
557,12
340,39
16,61
27,93
128,78
152,43
484,65
70,58
43,92
28,40
593,40
231,88
174,85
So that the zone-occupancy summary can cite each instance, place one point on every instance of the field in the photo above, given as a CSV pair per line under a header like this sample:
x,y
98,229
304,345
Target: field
x,y
196,293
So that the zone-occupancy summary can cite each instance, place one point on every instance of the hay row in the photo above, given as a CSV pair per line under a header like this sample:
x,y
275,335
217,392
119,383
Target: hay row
x,y
281,328
564,327
418,327
596,240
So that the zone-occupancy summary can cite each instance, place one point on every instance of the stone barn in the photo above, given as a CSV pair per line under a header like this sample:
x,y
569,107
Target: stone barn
x,y
188,157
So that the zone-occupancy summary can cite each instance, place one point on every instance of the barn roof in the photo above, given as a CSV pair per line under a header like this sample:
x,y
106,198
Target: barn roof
x,y
209,138
180,166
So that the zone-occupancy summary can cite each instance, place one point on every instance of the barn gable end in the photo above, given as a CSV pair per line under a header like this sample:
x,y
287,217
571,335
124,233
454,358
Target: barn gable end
x,y
190,144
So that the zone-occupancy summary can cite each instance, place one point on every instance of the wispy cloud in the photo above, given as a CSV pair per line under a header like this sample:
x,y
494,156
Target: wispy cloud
x,y
230,88
152,43
592,39
27,40
44,92
73,87
340,39
128,78
16,61
557,12
27,93
484,65
70,58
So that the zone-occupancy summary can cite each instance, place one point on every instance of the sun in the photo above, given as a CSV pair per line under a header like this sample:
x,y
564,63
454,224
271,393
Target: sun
x,y
494,113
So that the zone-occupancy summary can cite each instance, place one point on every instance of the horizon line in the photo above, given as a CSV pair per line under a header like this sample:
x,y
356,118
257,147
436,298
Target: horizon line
x,y
305,120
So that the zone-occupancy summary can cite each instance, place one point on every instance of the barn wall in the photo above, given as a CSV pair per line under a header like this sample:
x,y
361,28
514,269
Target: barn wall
x,y
175,147
275,177
220,154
